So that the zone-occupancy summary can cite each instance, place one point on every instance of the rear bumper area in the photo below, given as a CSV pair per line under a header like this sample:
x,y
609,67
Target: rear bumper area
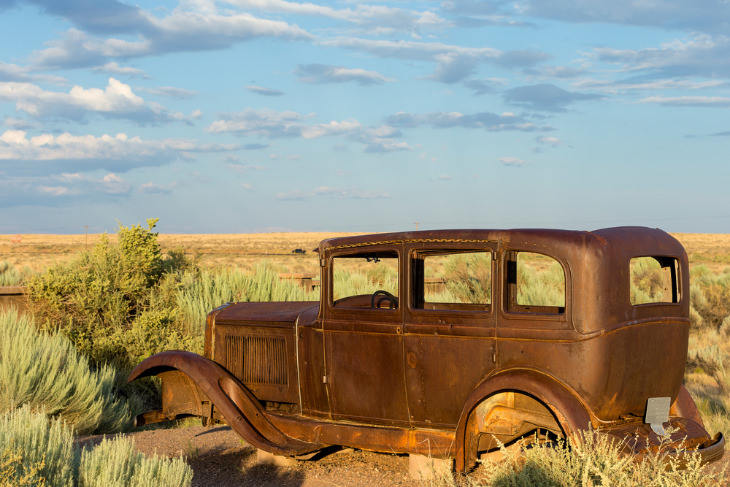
x,y
684,436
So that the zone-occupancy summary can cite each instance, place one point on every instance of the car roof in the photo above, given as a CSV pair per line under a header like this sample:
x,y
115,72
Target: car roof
x,y
654,240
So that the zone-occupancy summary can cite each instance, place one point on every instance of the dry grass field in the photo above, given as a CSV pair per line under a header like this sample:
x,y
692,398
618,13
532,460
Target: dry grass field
x,y
39,252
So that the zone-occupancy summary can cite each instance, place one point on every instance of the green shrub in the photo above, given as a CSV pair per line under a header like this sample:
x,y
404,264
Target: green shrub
x,y
116,463
11,276
538,285
710,296
201,292
469,277
117,302
36,451
44,371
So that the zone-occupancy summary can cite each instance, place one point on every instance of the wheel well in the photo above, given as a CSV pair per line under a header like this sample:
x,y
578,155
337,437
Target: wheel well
x,y
560,410
505,416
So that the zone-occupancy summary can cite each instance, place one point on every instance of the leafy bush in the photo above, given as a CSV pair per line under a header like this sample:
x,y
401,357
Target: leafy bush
x,y
44,371
116,303
35,451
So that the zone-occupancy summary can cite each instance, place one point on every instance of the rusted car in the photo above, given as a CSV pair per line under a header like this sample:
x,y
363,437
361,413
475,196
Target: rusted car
x,y
445,342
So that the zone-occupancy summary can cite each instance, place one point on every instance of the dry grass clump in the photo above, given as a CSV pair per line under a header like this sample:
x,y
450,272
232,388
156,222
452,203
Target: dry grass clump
x,y
594,459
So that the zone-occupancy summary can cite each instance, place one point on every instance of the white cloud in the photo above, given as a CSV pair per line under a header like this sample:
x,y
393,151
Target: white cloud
x,y
260,90
488,121
618,87
116,100
186,28
170,92
324,73
700,55
154,188
336,193
551,141
454,63
13,72
272,124
689,101
513,161
243,168
61,153
117,70
375,19
55,190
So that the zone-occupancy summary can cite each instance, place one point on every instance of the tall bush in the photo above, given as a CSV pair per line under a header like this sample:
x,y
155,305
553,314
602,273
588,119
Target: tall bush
x,y
44,371
115,303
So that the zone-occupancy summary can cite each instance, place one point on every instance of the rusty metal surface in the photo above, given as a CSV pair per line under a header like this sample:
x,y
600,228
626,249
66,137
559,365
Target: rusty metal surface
x,y
292,376
239,407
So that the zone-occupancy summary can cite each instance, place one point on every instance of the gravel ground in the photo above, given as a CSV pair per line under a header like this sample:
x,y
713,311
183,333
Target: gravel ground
x,y
219,457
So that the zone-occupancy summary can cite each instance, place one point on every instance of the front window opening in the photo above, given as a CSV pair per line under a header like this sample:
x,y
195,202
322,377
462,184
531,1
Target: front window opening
x,y
535,283
457,281
654,280
366,280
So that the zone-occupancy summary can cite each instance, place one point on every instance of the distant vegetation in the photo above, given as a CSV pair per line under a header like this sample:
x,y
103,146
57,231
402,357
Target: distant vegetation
x,y
11,276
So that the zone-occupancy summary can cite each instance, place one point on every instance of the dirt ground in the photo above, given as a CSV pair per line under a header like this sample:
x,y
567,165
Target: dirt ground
x,y
219,457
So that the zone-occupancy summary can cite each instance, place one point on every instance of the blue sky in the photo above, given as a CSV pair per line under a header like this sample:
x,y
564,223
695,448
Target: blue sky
x,y
272,115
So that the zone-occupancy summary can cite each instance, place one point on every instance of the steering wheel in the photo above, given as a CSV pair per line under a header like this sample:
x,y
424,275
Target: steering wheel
x,y
393,300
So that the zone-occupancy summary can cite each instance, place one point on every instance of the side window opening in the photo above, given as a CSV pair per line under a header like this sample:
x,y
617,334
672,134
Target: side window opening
x,y
365,280
535,283
654,280
454,280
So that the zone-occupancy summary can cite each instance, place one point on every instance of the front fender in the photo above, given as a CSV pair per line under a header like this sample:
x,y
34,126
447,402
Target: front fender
x,y
236,403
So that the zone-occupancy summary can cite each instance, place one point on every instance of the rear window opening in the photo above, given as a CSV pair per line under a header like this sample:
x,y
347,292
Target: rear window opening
x,y
535,283
654,280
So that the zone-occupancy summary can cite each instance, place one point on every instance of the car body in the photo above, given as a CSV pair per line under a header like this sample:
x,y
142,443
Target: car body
x,y
456,340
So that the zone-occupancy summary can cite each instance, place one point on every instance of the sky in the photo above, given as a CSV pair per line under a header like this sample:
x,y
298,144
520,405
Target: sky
x,y
241,116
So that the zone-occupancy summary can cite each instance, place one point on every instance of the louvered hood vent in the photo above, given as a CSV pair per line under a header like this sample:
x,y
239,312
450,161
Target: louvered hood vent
x,y
257,359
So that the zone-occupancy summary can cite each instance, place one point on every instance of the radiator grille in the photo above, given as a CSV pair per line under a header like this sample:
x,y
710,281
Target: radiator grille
x,y
257,360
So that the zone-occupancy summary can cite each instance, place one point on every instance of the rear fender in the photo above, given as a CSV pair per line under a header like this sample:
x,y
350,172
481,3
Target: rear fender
x,y
569,413
233,400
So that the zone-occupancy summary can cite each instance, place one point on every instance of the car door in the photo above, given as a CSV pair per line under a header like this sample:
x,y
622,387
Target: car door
x,y
449,331
363,335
